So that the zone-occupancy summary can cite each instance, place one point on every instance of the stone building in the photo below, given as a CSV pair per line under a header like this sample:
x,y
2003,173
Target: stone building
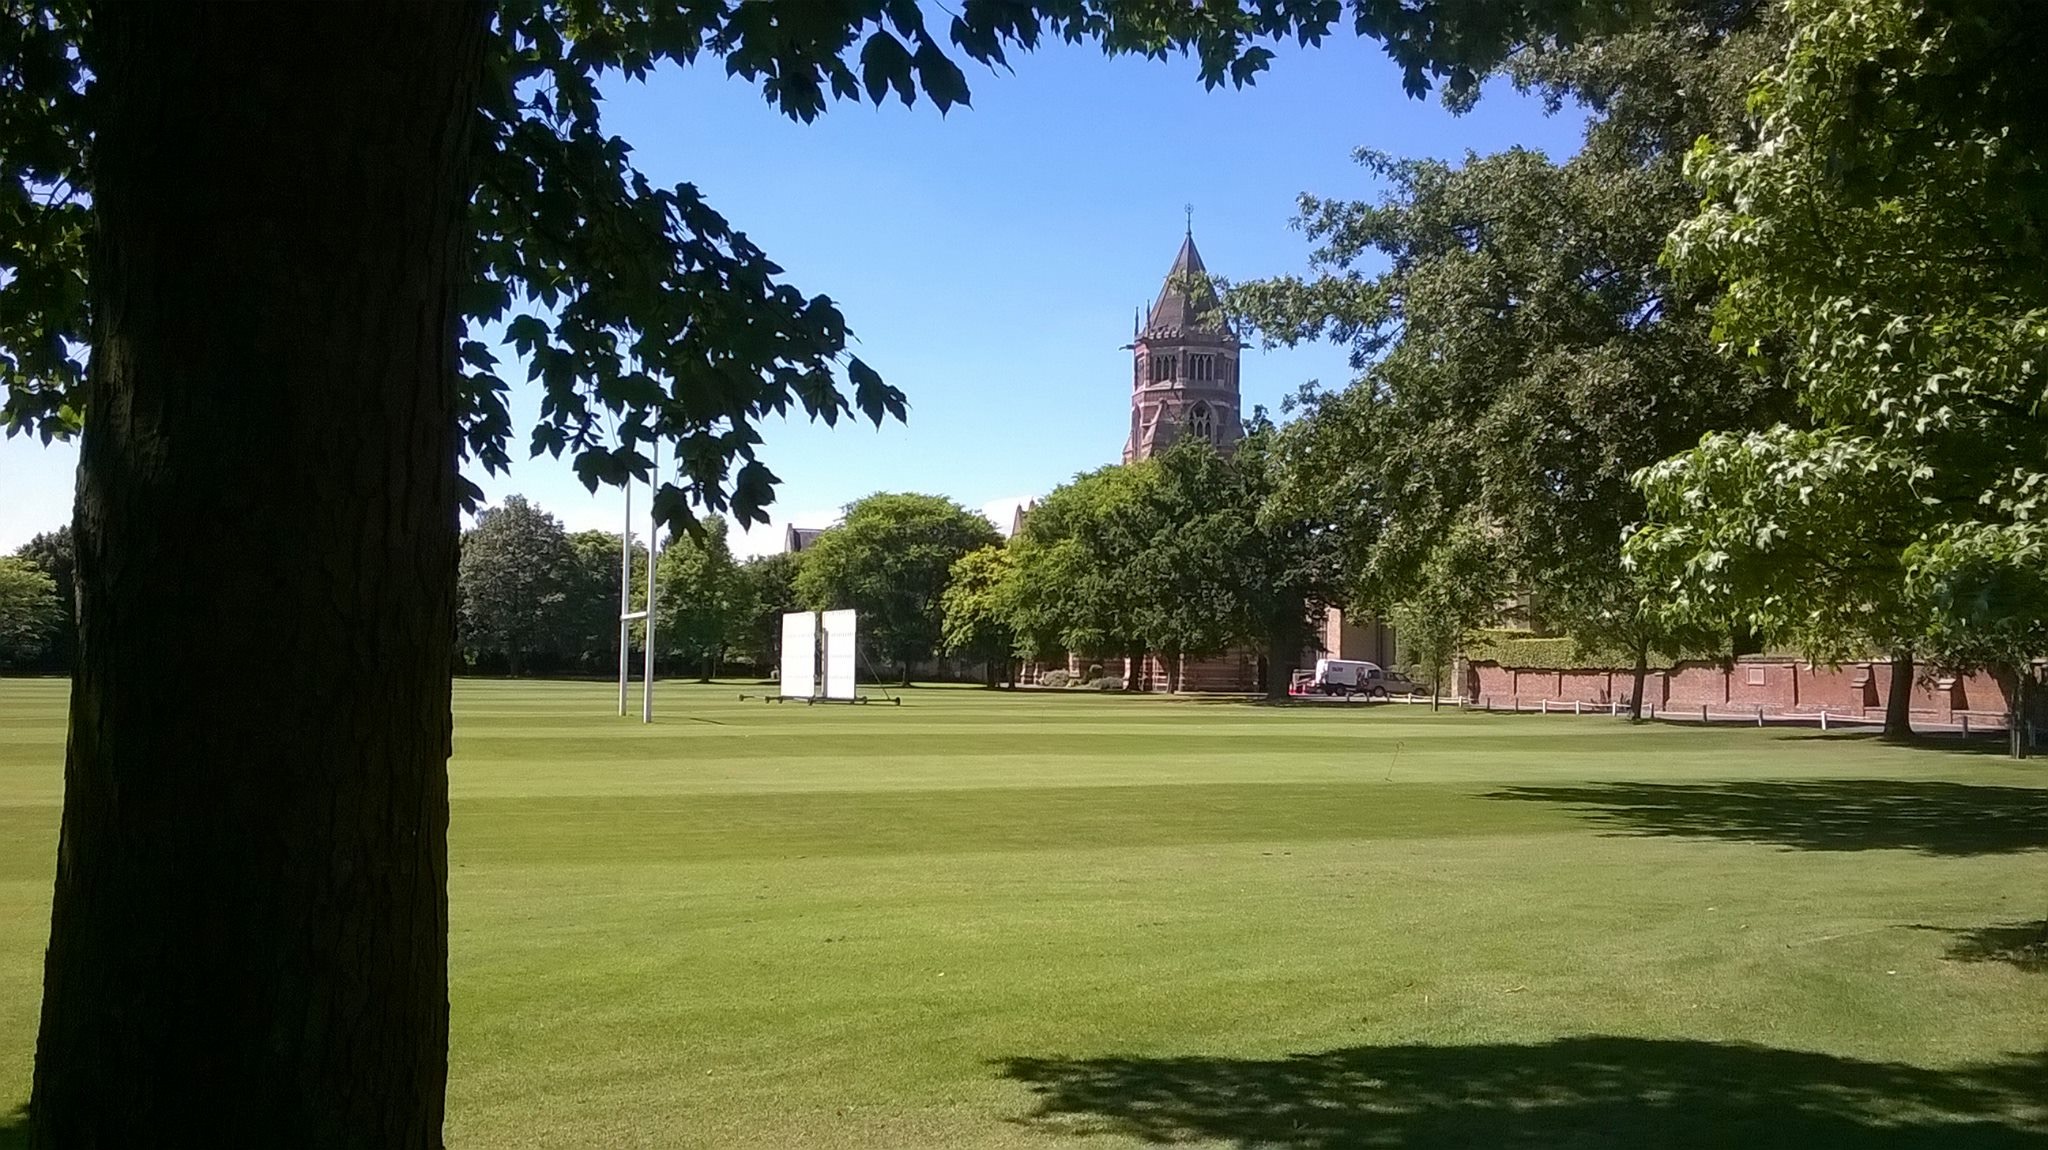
x,y
1184,362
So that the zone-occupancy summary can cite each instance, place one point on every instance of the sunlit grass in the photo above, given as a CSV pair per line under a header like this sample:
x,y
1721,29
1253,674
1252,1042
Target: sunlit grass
x,y
988,919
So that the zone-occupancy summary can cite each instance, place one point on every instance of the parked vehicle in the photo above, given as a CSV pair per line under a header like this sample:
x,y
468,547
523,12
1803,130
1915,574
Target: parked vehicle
x,y
1352,677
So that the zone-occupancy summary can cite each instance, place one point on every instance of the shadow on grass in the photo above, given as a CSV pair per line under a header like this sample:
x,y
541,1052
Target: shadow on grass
x,y
1938,818
1573,1092
2020,944
14,1130
1991,744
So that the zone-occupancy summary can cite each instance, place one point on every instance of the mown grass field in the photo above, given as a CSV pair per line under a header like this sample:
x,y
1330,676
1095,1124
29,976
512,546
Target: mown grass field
x,y
1034,920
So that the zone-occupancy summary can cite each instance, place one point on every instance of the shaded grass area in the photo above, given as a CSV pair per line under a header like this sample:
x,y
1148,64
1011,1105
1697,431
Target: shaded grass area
x,y
1583,1092
1930,816
1033,920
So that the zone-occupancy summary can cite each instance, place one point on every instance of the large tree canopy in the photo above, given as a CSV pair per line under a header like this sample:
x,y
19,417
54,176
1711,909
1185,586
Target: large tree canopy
x,y
640,310
30,613
1524,351
1884,246
890,559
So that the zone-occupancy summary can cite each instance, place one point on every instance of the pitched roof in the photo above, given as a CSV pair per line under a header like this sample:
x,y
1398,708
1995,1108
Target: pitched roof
x,y
1176,308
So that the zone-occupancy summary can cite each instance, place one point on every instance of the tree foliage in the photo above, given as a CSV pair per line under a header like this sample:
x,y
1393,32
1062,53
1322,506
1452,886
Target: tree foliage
x,y
1074,559
518,570
30,613
643,313
1524,351
1186,553
701,598
52,551
978,611
890,558
769,594
1882,244
1450,599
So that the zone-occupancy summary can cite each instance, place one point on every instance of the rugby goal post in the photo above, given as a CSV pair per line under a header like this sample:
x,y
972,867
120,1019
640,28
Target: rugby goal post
x,y
627,615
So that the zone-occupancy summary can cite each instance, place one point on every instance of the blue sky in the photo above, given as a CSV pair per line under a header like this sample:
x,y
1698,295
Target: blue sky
x,y
989,260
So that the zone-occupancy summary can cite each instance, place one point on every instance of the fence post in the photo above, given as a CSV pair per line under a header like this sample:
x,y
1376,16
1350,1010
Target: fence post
x,y
1759,716
1966,726
1823,720
1575,707
1703,714
1545,704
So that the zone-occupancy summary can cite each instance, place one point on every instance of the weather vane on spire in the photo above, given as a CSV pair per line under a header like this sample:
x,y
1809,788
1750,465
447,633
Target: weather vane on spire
x,y
1190,210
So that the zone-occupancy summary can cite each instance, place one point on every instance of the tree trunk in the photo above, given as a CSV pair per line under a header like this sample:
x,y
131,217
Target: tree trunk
x,y
1134,670
1279,663
1635,701
1436,686
1898,704
904,664
248,944
1172,662
989,674
2019,711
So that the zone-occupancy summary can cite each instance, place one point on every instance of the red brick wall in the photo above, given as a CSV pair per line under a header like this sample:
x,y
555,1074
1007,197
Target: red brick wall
x,y
1777,685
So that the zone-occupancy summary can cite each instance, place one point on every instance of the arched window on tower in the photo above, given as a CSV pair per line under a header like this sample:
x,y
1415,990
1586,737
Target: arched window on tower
x,y
1201,423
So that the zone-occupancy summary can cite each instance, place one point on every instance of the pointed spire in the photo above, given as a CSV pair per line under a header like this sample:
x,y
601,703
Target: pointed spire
x,y
1176,306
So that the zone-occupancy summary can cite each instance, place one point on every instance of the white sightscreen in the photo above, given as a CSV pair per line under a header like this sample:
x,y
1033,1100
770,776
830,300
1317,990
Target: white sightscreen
x,y
799,655
840,655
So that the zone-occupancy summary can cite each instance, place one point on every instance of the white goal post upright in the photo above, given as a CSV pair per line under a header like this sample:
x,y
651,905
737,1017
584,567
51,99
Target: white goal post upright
x,y
627,616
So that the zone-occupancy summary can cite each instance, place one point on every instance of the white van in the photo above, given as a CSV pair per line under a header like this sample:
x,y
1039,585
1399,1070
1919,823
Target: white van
x,y
1357,677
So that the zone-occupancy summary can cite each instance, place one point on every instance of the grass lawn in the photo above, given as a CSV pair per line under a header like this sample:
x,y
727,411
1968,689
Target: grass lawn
x,y
1035,920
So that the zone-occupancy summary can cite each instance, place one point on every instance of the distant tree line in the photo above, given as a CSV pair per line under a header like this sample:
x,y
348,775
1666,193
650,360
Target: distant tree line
x,y
537,599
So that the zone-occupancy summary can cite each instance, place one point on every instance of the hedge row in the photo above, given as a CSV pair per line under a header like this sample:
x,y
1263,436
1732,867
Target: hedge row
x,y
1561,653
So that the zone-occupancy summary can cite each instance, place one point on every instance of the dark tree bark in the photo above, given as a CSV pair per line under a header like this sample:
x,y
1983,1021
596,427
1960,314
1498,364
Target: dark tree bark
x,y
2019,691
1134,670
1282,647
249,940
1642,673
1898,703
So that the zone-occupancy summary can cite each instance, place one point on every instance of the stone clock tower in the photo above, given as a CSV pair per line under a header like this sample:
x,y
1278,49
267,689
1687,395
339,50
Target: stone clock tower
x,y
1184,365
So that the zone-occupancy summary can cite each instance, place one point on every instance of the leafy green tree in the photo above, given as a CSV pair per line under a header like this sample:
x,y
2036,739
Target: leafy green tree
x,y
52,551
889,559
1883,241
1525,351
591,609
250,187
1455,592
978,611
701,600
30,614
770,593
1078,586
516,574
1196,529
